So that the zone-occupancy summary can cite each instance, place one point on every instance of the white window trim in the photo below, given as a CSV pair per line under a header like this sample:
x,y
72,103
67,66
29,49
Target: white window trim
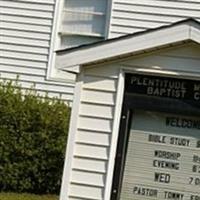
x,y
81,34
108,17
54,74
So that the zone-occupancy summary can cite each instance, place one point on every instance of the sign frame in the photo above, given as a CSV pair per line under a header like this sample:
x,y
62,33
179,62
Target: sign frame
x,y
134,100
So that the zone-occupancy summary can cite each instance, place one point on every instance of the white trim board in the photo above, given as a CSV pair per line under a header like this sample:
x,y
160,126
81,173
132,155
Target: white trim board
x,y
115,133
187,30
71,139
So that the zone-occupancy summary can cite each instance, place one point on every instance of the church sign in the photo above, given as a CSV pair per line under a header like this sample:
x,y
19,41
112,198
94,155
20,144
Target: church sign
x,y
163,87
158,154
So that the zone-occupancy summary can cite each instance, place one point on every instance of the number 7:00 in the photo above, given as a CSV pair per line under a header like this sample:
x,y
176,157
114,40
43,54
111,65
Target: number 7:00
x,y
194,181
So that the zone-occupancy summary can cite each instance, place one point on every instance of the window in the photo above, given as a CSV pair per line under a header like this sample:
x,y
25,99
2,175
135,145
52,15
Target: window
x,y
77,22
82,21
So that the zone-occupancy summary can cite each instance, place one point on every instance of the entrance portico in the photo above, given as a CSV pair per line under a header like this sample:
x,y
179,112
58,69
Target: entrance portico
x,y
134,127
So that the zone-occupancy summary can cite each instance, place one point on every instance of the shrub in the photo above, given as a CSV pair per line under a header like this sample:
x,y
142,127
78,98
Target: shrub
x,y
33,135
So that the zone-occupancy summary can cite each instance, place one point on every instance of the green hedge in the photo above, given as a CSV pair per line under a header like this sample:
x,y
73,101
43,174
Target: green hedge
x,y
33,135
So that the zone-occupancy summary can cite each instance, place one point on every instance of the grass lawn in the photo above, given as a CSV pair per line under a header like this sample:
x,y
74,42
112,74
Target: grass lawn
x,y
13,196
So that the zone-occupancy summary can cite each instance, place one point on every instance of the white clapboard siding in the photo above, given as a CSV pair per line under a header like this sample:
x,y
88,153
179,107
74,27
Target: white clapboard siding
x,y
97,110
26,20
26,27
85,192
24,49
92,123
21,55
133,16
164,3
93,135
26,41
25,12
88,178
91,151
95,138
20,62
25,37
18,70
46,87
98,97
23,77
28,6
92,165
37,2
25,34
97,83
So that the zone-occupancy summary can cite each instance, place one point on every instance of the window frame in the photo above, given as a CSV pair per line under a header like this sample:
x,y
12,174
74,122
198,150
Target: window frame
x,y
54,74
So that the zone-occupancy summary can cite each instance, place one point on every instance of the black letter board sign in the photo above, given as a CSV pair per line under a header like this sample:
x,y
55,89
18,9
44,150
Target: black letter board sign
x,y
158,153
163,87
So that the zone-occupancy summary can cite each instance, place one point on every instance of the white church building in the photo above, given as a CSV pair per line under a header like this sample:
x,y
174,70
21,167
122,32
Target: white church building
x,y
31,31
132,70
